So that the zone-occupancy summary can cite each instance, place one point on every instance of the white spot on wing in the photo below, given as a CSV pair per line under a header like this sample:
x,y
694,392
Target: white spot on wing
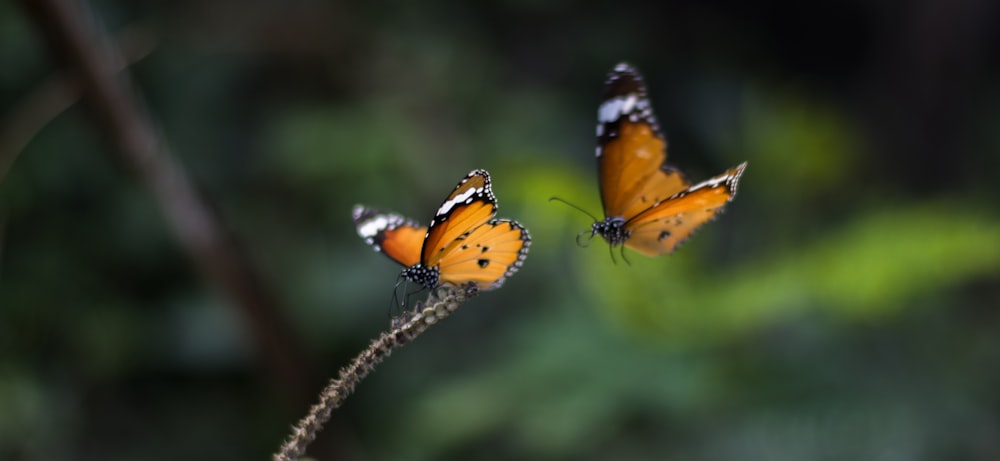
x,y
711,182
463,197
357,211
610,110
729,179
373,226
629,103
616,107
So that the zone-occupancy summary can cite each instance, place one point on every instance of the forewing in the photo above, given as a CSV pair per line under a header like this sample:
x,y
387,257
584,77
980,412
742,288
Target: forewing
x,y
486,255
665,225
469,206
631,150
391,234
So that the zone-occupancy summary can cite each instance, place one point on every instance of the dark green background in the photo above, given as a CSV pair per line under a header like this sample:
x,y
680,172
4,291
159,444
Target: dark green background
x,y
845,307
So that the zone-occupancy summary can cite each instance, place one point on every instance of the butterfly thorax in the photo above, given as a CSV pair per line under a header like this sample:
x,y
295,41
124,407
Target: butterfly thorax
x,y
612,229
428,277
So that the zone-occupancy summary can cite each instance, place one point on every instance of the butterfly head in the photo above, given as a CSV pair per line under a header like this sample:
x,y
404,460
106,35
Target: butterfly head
x,y
428,277
611,229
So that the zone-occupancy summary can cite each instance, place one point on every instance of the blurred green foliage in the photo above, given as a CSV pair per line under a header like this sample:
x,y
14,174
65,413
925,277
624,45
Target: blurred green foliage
x,y
843,307
878,264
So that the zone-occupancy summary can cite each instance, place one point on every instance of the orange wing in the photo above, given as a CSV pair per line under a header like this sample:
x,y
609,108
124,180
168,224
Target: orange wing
x,y
486,255
469,206
390,234
666,224
631,152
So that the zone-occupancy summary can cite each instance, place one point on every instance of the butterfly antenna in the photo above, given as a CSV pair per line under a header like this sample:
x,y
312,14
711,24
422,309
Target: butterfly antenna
x,y
574,206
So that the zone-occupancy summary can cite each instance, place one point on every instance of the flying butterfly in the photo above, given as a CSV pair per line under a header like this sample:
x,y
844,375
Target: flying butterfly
x,y
462,244
649,205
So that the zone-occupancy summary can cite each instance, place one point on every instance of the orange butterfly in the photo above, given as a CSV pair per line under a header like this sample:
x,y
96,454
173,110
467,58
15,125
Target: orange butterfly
x,y
649,206
462,244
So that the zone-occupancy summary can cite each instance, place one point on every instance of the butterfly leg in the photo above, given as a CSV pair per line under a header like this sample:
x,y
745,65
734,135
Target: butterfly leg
x,y
397,304
401,297
408,311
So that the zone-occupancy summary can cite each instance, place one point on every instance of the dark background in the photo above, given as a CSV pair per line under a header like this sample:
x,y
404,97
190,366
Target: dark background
x,y
844,307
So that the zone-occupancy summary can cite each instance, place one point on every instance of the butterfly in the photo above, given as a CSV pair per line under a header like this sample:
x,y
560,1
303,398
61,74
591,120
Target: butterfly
x,y
462,244
649,205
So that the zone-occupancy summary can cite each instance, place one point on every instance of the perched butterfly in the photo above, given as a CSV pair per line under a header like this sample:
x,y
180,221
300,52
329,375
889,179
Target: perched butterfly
x,y
649,206
462,244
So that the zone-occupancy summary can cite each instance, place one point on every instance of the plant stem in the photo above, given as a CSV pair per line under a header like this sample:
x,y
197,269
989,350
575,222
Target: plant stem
x,y
441,302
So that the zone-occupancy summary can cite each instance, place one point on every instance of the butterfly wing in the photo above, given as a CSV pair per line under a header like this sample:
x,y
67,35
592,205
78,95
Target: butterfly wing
x,y
631,150
486,255
390,234
468,207
666,224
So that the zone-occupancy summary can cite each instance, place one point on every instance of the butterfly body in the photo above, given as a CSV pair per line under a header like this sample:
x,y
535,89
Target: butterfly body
x,y
649,205
462,243
429,277
612,229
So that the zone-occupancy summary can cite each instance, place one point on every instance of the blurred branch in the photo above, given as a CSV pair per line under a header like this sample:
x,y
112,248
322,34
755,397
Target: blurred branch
x,y
53,96
440,303
72,34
